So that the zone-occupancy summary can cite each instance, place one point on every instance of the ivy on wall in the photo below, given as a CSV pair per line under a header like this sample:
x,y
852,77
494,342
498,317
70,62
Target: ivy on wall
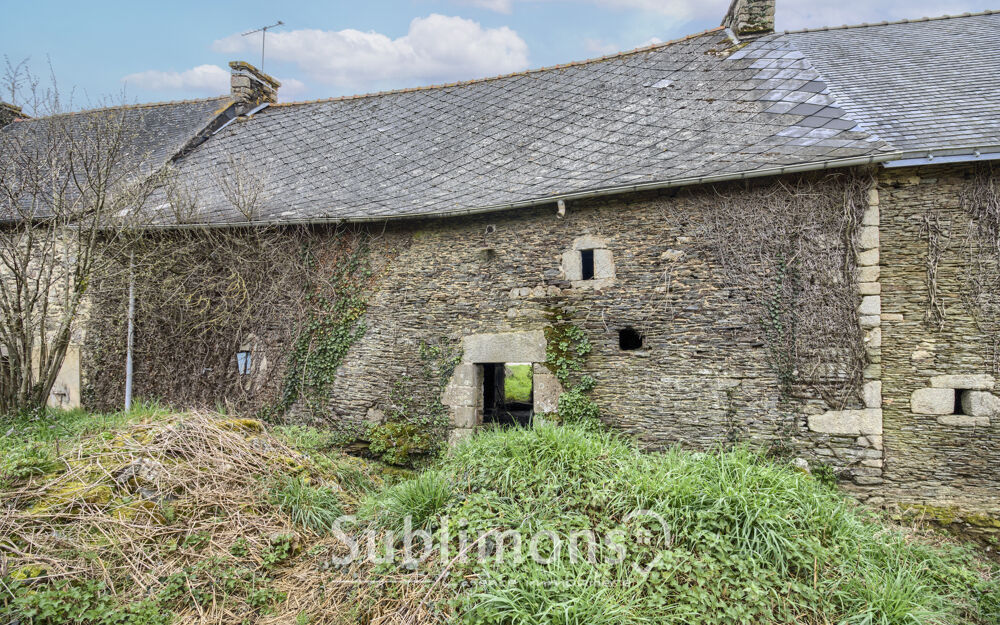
x,y
567,348
416,422
335,304
292,297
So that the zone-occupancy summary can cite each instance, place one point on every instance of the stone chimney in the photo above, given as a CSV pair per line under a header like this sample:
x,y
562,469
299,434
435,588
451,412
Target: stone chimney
x,y
749,18
9,112
250,86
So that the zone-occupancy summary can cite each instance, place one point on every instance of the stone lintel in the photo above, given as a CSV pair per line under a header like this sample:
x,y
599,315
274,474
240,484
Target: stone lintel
x,y
965,421
505,347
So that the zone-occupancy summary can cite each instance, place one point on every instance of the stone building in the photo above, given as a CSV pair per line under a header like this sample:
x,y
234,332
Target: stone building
x,y
591,192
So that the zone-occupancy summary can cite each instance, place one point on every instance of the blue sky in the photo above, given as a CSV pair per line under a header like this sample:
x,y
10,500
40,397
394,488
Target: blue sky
x,y
153,51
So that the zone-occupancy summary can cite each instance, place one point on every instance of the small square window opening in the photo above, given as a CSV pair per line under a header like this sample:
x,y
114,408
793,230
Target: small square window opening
x,y
587,264
629,339
243,362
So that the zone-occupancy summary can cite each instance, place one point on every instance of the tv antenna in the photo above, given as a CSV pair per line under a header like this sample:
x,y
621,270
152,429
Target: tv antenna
x,y
263,38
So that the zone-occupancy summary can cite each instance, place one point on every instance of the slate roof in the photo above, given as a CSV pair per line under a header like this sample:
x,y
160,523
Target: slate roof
x,y
680,111
919,84
699,109
159,131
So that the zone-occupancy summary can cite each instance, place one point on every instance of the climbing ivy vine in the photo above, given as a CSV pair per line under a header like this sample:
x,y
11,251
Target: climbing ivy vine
x,y
336,305
567,348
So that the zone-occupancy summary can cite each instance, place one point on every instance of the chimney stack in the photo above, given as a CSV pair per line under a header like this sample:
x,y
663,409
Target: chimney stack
x,y
250,86
9,112
748,18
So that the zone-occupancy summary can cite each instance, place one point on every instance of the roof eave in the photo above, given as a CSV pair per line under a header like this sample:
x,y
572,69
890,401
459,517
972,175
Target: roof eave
x,y
552,199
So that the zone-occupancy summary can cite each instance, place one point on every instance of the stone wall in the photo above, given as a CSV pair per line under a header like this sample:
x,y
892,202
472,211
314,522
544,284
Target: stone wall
x,y
933,456
451,294
702,376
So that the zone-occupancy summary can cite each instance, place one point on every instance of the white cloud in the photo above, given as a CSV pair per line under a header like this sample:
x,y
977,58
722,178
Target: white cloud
x,y
436,48
678,9
291,88
795,14
206,78
791,14
600,46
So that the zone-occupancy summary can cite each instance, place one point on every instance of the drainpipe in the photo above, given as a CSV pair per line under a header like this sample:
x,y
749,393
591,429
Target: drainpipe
x,y
131,332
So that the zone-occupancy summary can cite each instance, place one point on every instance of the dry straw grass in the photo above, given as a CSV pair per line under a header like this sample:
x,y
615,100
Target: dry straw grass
x,y
158,499
131,510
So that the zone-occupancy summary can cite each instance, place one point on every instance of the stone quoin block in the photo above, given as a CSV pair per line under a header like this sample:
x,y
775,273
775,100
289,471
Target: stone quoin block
x,y
971,382
873,197
873,338
869,288
545,390
848,422
871,216
933,401
872,394
980,404
869,321
458,435
869,274
455,395
464,416
868,258
868,238
870,305
465,375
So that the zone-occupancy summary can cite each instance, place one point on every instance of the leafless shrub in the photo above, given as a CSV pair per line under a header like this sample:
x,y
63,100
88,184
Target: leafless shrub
x,y
981,201
788,248
68,183
202,295
243,185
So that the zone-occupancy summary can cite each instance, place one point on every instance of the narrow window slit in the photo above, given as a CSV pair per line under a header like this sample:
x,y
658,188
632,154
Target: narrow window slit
x,y
243,362
958,402
587,264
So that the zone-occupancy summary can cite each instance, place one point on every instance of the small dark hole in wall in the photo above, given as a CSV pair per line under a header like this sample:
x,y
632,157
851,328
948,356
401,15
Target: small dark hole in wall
x,y
958,402
587,264
629,339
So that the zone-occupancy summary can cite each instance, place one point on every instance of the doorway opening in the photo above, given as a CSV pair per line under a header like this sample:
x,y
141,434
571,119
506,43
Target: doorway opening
x,y
508,394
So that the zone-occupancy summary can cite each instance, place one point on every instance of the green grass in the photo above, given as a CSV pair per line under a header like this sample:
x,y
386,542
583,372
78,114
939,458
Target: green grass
x,y
31,443
751,541
421,498
313,507
517,384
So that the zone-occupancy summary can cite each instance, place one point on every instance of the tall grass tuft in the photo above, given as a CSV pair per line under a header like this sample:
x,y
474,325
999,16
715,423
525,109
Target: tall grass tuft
x,y
421,498
313,507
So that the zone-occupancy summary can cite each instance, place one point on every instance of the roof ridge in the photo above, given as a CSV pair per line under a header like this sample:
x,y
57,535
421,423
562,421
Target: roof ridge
x,y
137,105
892,23
527,72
